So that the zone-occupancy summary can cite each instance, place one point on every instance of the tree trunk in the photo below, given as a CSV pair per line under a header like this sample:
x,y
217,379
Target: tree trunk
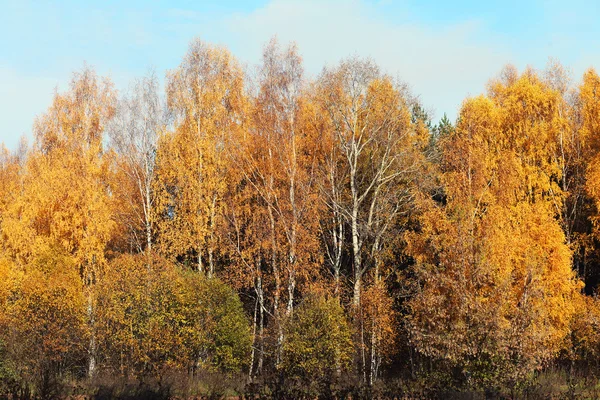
x,y
92,344
254,323
362,348
148,214
357,258
211,244
372,370
291,288
277,286
261,328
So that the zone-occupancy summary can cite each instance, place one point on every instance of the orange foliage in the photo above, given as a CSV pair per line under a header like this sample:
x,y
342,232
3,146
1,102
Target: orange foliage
x,y
494,269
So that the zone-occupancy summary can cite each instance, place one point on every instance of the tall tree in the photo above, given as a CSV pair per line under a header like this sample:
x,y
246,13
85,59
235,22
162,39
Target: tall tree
x,y
278,170
65,200
381,151
587,121
496,288
140,117
291,154
206,96
377,145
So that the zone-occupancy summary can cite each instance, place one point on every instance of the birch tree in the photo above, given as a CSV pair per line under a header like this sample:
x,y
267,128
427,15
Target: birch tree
x,y
206,96
381,153
140,117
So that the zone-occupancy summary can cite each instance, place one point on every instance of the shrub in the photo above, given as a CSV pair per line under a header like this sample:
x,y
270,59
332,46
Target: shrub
x,y
317,347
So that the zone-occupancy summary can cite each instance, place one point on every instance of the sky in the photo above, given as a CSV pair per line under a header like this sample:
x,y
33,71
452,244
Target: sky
x,y
446,51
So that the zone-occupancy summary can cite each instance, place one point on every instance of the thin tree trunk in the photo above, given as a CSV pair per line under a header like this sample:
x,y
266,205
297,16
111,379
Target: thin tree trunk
x,y
357,259
362,348
277,286
211,244
148,213
254,323
211,265
373,352
292,194
261,329
291,288
92,344
355,237
339,243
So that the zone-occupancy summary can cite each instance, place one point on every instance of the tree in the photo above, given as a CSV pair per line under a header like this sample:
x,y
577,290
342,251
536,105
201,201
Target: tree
x,y
274,224
378,135
496,291
206,96
64,201
588,124
573,153
217,313
139,118
444,127
380,319
381,149
160,319
10,179
139,318
286,182
248,248
46,325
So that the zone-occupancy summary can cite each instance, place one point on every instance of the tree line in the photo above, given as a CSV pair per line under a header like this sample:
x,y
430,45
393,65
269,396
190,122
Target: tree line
x,y
260,232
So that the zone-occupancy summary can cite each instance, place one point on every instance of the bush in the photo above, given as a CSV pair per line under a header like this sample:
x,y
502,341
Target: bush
x,y
317,347
45,326
157,318
221,338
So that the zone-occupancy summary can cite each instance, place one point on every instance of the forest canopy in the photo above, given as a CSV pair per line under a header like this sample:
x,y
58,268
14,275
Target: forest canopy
x,y
255,230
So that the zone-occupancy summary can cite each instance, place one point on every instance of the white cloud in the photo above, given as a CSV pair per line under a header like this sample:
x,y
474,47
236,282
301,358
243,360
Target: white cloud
x,y
442,64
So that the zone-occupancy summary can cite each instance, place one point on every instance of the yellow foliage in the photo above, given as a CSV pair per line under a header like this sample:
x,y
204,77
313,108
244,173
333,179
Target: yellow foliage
x,y
493,263
43,322
206,93
152,318
64,197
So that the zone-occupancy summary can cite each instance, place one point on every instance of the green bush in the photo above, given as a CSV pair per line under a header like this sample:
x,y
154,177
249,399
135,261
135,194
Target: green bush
x,y
317,347
159,318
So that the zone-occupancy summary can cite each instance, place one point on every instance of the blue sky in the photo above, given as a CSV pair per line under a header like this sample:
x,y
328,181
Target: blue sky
x,y
444,50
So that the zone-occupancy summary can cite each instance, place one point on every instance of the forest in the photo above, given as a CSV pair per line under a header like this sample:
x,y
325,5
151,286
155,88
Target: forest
x,y
256,232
